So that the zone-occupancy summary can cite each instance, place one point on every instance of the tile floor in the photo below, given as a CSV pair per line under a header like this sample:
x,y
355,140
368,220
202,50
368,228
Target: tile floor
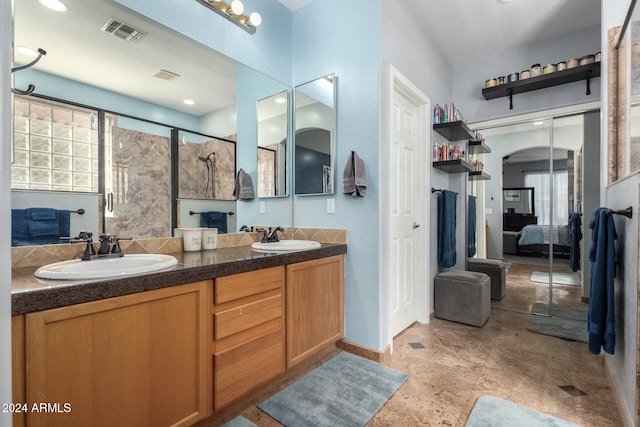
x,y
459,363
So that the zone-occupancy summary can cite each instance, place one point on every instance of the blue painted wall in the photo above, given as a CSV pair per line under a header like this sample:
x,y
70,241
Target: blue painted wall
x,y
268,50
343,37
61,88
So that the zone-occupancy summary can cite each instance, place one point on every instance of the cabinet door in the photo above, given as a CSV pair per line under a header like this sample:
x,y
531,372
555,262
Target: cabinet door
x,y
132,360
315,306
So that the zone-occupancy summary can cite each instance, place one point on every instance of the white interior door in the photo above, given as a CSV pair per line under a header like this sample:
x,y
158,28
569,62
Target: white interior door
x,y
408,253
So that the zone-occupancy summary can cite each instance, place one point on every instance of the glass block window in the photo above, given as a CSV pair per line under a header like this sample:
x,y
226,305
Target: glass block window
x,y
55,146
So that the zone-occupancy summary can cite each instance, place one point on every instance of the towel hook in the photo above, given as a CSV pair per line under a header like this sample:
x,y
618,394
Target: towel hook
x,y
30,88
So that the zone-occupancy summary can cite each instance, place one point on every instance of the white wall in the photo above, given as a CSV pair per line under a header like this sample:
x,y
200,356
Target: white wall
x,y
6,54
622,365
469,78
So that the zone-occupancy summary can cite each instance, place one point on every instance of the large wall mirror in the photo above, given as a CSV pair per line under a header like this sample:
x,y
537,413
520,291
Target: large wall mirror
x,y
171,111
315,113
273,136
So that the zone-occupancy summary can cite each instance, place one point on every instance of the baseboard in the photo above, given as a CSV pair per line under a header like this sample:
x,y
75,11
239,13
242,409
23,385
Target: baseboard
x,y
627,420
366,352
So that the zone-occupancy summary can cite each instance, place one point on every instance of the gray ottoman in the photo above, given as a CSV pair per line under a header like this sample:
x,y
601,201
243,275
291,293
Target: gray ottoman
x,y
463,296
496,270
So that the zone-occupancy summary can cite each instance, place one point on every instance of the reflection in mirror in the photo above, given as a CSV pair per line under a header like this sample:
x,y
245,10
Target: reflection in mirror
x,y
519,201
315,136
273,131
145,77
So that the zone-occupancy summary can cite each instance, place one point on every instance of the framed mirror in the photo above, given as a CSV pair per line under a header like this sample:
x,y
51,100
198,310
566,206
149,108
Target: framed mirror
x,y
273,144
519,201
314,136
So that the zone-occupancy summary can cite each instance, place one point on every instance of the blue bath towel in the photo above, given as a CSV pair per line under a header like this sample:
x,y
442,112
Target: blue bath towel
x,y
601,315
42,222
37,226
471,227
447,229
214,219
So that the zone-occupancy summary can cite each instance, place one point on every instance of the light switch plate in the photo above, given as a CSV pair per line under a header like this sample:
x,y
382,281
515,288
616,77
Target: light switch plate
x,y
263,207
331,206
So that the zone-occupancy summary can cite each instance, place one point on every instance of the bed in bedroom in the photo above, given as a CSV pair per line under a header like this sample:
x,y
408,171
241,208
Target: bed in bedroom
x,y
534,240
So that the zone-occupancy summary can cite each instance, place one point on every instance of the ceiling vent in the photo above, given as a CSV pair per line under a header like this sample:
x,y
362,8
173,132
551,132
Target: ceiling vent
x,y
166,75
122,30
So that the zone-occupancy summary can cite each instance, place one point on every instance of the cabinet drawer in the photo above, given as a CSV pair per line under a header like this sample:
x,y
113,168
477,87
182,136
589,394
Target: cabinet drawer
x,y
242,285
245,367
246,316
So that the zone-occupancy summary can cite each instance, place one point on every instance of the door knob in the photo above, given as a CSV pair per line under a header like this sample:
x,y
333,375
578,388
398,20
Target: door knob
x,y
415,225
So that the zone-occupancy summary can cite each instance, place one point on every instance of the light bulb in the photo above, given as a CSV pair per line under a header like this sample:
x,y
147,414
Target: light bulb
x,y
237,7
56,5
255,19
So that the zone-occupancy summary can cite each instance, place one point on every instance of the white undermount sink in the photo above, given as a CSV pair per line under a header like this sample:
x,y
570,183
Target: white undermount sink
x,y
101,268
285,246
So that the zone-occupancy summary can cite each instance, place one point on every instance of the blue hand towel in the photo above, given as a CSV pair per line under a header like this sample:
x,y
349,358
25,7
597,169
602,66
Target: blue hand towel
x,y
42,222
214,219
447,229
41,214
471,227
64,223
601,314
19,227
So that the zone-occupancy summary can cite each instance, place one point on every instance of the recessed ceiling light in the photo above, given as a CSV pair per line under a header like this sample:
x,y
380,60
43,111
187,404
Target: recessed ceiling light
x,y
189,101
56,5
280,100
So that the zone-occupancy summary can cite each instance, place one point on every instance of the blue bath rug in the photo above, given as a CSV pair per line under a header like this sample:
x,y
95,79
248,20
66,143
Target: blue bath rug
x,y
239,421
492,411
347,390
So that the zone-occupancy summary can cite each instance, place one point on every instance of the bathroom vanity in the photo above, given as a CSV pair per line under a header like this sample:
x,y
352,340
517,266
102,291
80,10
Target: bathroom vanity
x,y
172,348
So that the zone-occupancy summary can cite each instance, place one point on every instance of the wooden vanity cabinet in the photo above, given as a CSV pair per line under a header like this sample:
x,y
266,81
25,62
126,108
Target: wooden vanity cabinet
x,y
315,306
248,333
139,359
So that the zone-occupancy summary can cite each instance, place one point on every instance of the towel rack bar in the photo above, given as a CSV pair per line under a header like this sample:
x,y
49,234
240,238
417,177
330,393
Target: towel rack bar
x,y
434,190
198,213
628,212
79,211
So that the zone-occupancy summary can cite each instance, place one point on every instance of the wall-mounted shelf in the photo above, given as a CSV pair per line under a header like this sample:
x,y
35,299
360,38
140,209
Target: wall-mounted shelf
x,y
478,147
454,166
479,176
583,72
454,131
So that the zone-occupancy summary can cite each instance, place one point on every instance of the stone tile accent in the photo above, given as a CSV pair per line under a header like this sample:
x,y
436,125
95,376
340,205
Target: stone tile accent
x,y
35,256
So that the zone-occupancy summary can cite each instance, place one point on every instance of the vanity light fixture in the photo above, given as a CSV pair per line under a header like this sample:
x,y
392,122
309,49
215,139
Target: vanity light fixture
x,y
56,5
234,12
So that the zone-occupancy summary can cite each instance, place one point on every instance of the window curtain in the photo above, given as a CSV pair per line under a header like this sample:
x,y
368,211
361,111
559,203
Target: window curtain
x,y
541,181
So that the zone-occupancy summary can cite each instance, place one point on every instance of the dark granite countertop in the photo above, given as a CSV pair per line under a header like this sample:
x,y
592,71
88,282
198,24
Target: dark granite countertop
x,y
29,294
